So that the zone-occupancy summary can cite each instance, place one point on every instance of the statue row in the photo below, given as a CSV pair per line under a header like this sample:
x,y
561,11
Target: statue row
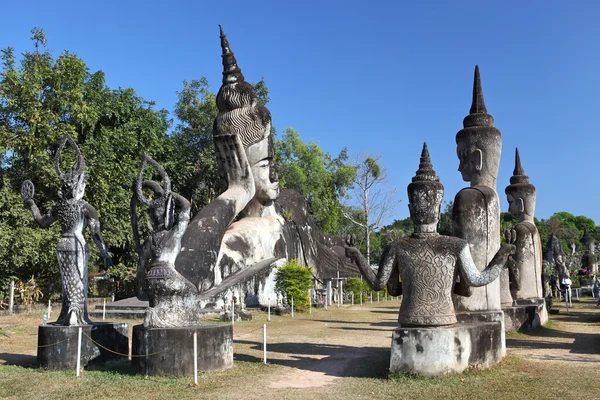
x,y
180,261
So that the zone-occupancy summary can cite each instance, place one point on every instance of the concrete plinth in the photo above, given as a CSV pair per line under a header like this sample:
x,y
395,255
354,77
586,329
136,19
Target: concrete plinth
x,y
525,315
442,350
170,351
57,344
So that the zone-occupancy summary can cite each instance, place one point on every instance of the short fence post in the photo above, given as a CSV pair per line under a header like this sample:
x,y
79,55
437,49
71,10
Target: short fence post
x,y
292,307
268,308
371,297
232,312
79,351
195,358
378,297
361,298
11,299
265,343
104,310
309,303
352,298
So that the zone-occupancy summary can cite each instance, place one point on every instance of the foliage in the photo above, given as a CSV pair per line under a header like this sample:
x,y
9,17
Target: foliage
x,y
372,197
124,278
294,281
356,286
322,180
28,292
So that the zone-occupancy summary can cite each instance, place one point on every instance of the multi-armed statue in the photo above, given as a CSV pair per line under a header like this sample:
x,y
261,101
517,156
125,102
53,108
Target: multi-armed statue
x,y
73,214
173,299
424,268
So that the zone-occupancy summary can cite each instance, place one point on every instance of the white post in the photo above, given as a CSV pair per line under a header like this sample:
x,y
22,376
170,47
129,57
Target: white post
x,y
341,292
265,343
329,292
570,296
309,302
352,298
104,310
292,307
378,297
371,297
232,312
195,358
385,296
268,308
361,298
11,299
79,351
49,309
577,293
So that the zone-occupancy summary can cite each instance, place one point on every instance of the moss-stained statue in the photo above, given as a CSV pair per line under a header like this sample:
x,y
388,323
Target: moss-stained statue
x,y
74,214
424,267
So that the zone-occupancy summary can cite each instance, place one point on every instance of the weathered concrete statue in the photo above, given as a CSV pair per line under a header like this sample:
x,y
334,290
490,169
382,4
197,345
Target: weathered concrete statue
x,y
476,211
172,298
73,214
526,268
216,249
589,260
427,263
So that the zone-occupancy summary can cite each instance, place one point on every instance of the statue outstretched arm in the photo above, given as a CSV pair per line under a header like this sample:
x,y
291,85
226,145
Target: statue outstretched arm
x,y
470,272
94,224
386,266
43,221
184,211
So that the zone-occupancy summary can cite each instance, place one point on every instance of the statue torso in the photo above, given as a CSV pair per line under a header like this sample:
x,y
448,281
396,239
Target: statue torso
x,y
70,215
428,270
529,253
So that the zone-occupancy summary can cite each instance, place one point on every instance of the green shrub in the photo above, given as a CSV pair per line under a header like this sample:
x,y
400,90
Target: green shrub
x,y
294,281
356,286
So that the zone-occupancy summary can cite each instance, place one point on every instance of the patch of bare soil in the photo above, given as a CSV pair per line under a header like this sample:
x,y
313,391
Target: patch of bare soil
x,y
572,337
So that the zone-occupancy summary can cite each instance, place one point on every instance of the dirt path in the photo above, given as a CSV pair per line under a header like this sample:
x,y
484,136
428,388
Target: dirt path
x,y
573,337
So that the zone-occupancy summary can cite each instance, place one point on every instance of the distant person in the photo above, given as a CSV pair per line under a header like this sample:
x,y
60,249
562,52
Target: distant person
x,y
596,290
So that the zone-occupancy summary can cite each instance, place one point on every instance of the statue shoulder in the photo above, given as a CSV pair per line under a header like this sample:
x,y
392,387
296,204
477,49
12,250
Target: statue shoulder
x,y
452,243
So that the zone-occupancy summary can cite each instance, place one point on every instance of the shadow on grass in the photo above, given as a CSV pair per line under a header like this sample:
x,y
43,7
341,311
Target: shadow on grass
x,y
21,360
575,342
334,360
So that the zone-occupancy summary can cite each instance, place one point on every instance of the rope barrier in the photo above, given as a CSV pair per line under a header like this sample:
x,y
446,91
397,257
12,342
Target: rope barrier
x,y
136,355
53,344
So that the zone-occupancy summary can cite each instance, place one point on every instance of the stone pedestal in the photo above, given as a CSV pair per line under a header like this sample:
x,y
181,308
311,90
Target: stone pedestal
x,y
170,351
485,316
442,350
525,315
57,344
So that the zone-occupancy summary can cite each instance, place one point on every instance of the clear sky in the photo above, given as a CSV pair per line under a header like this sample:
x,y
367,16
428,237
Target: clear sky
x,y
381,76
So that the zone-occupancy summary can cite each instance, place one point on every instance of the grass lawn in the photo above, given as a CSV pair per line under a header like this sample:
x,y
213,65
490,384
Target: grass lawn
x,y
338,353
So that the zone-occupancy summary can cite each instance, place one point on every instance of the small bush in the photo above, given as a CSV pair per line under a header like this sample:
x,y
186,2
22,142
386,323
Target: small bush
x,y
294,281
356,286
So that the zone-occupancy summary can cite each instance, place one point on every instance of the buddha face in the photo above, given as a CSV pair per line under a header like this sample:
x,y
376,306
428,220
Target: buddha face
x,y
467,166
260,157
424,206
516,206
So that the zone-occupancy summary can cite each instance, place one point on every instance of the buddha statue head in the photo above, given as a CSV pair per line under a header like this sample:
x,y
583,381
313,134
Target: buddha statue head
x,y
241,114
72,181
520,193
425,195
479,143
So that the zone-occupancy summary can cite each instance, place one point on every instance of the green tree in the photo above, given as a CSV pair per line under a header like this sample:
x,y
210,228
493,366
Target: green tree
x,y
41,99
293,281
321,179
356,286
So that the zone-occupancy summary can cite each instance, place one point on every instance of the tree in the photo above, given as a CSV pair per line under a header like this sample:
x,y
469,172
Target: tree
x,y
372,196
293,281
41,99
322,180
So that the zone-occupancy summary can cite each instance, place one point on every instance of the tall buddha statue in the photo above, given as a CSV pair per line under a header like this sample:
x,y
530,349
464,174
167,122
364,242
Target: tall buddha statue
x,y
214,248
424,266
589,260
476,211
527,275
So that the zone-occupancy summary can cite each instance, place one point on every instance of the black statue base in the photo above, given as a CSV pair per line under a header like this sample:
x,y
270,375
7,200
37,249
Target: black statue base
x,y
525,315
57,344
170,351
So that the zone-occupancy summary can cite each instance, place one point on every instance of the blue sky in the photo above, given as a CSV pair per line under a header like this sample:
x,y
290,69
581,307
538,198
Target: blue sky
x,y
378,76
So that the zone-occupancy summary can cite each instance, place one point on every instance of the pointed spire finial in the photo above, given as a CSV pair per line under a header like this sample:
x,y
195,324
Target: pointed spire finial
x,y
425,171
518,167
231,72
478,105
